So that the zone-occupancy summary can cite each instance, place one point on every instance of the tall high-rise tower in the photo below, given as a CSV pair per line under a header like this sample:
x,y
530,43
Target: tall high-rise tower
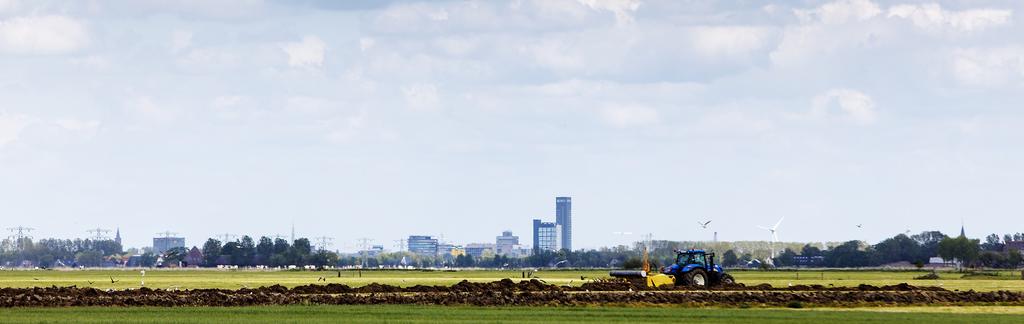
x,y
563,217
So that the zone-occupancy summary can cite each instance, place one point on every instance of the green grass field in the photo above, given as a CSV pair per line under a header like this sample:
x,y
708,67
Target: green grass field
x,y
233,279
435,314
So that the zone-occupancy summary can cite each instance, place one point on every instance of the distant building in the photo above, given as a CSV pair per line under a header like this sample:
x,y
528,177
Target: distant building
x,y
134,261
808,261
117,237
194,257
506,243
563,217
479,250
373,251
448,250
162,244
422,245
546,236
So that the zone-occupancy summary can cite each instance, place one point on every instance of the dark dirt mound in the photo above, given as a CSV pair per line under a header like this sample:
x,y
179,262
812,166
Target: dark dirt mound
x,y
613,285
507,292
49,297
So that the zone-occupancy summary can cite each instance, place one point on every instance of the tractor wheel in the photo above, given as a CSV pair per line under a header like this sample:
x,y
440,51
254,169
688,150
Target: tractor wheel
x,y
697,278
727,280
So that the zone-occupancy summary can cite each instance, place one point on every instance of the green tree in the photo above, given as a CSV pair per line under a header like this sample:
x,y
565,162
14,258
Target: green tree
x,y
897,248
300,251
847,255
264,249
234,252
785,258
963,250
810,251
323,258
992,243
247,251
464,261
211,252
1014,258
729,259
89,258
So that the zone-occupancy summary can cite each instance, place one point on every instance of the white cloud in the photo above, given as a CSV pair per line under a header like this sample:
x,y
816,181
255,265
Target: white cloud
x,y
934,18
208,58
855,105
309,53
51,34
366,43
623,9
226,102
630,115
732,122
440,15
989,66
713,41
346,129
87,128
8,6
145,108
307,105
11,127
555,54
94,62
840,12
421,96
231,106
457,46
180,40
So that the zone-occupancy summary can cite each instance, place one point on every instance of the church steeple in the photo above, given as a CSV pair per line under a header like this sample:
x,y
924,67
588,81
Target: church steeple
x,y
117,236
962,228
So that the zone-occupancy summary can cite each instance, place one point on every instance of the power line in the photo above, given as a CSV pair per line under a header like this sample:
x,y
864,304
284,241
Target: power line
x,y
227,237
98,233
364,248
19,234
400,244
323,242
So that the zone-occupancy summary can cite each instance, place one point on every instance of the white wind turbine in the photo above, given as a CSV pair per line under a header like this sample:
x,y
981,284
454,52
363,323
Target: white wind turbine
x,y
774,235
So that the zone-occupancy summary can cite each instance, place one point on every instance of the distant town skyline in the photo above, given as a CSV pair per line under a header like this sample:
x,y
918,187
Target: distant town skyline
x,y
381,119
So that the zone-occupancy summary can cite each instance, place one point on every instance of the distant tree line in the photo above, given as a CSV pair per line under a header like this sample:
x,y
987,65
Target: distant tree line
x,y
50,252
915,249
278,252
246,252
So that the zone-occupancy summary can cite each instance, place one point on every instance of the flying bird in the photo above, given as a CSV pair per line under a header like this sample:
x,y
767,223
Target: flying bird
x,y
860,225
704,224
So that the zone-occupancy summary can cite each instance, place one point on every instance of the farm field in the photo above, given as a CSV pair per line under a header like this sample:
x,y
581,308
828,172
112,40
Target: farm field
x,y
234,279
460,314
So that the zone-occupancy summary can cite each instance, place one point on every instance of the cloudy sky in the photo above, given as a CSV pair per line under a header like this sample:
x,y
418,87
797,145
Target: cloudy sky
x,y
465,118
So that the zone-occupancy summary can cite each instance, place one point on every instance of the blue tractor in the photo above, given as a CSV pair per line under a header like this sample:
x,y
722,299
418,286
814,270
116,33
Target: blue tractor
x,y
697,268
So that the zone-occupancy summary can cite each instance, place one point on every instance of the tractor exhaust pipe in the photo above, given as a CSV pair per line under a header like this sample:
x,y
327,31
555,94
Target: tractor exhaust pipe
x,y
628,274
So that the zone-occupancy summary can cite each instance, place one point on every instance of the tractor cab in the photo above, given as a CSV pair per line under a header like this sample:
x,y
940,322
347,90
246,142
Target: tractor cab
x,y
696,268
690,259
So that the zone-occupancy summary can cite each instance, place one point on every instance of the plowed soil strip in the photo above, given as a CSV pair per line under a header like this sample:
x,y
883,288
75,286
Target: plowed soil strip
x,y
505,293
